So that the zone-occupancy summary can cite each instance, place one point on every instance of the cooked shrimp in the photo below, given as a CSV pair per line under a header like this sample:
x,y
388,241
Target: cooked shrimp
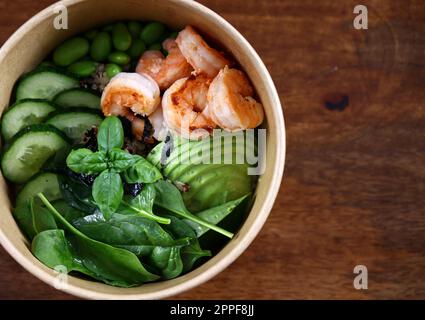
x,y
157,121
125,91
183,106
175,66
150,63
165,71
201,57
230,102
137,127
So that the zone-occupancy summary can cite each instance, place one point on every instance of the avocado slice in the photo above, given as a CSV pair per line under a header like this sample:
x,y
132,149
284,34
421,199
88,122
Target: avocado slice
x,y
207,184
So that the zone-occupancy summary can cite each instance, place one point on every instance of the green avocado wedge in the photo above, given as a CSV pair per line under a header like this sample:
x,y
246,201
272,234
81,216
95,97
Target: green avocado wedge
x,y
209,185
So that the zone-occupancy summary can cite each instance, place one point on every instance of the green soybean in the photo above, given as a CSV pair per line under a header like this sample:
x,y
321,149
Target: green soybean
x,y
91,34
134,27
119,57
155,46
82,69
136,49
173,35
108,27
101,47
112,70
152,32
70,51
121,37
47,64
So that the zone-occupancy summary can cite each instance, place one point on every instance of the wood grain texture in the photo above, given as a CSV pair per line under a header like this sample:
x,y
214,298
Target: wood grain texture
x,y
353,188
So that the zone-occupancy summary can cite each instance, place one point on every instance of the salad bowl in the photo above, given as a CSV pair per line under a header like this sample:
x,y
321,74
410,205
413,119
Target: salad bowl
x,y
27,47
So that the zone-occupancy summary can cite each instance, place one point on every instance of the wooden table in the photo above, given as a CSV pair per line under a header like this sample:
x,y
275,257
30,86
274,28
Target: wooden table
x,y
353,188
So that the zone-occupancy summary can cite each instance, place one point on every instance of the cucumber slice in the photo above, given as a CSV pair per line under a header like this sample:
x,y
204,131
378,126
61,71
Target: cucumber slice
x,y
24,113
77,98
44,83
30,148
44,182
74,122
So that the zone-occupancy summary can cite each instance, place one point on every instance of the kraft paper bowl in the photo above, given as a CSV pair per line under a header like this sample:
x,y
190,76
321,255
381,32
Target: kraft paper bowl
x,y
36,38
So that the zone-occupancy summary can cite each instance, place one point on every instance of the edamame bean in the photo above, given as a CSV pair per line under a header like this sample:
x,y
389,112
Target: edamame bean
x,y
173,35
82,69
46,64
112,70
101,47
119,57
155,46
135,28
108,27
91,34
153,32
70,51
136,49
121,37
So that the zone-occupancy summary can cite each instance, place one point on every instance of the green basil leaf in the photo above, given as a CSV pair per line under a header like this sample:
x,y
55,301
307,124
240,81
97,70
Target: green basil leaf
x,y
142,172
110,134
86,161
120,160
108,192
169,198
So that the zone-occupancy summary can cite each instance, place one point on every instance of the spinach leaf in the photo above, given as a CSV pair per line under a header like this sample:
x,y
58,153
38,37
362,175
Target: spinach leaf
x,y
112,265
168,261
169,198
86,161
141,236
68,212
192,252
42,219
76,194
142,172
142,205
33,217
125,229
108,192
120,160
214,215
110,134
23,216
53,249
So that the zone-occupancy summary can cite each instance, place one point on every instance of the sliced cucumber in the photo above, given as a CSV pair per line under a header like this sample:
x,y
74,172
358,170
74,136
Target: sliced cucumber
x,y
47,183
30,148
44,83
24,113
74,122
77,98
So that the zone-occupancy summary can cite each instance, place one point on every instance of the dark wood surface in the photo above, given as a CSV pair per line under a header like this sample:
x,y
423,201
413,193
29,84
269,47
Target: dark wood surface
x,y
353,188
